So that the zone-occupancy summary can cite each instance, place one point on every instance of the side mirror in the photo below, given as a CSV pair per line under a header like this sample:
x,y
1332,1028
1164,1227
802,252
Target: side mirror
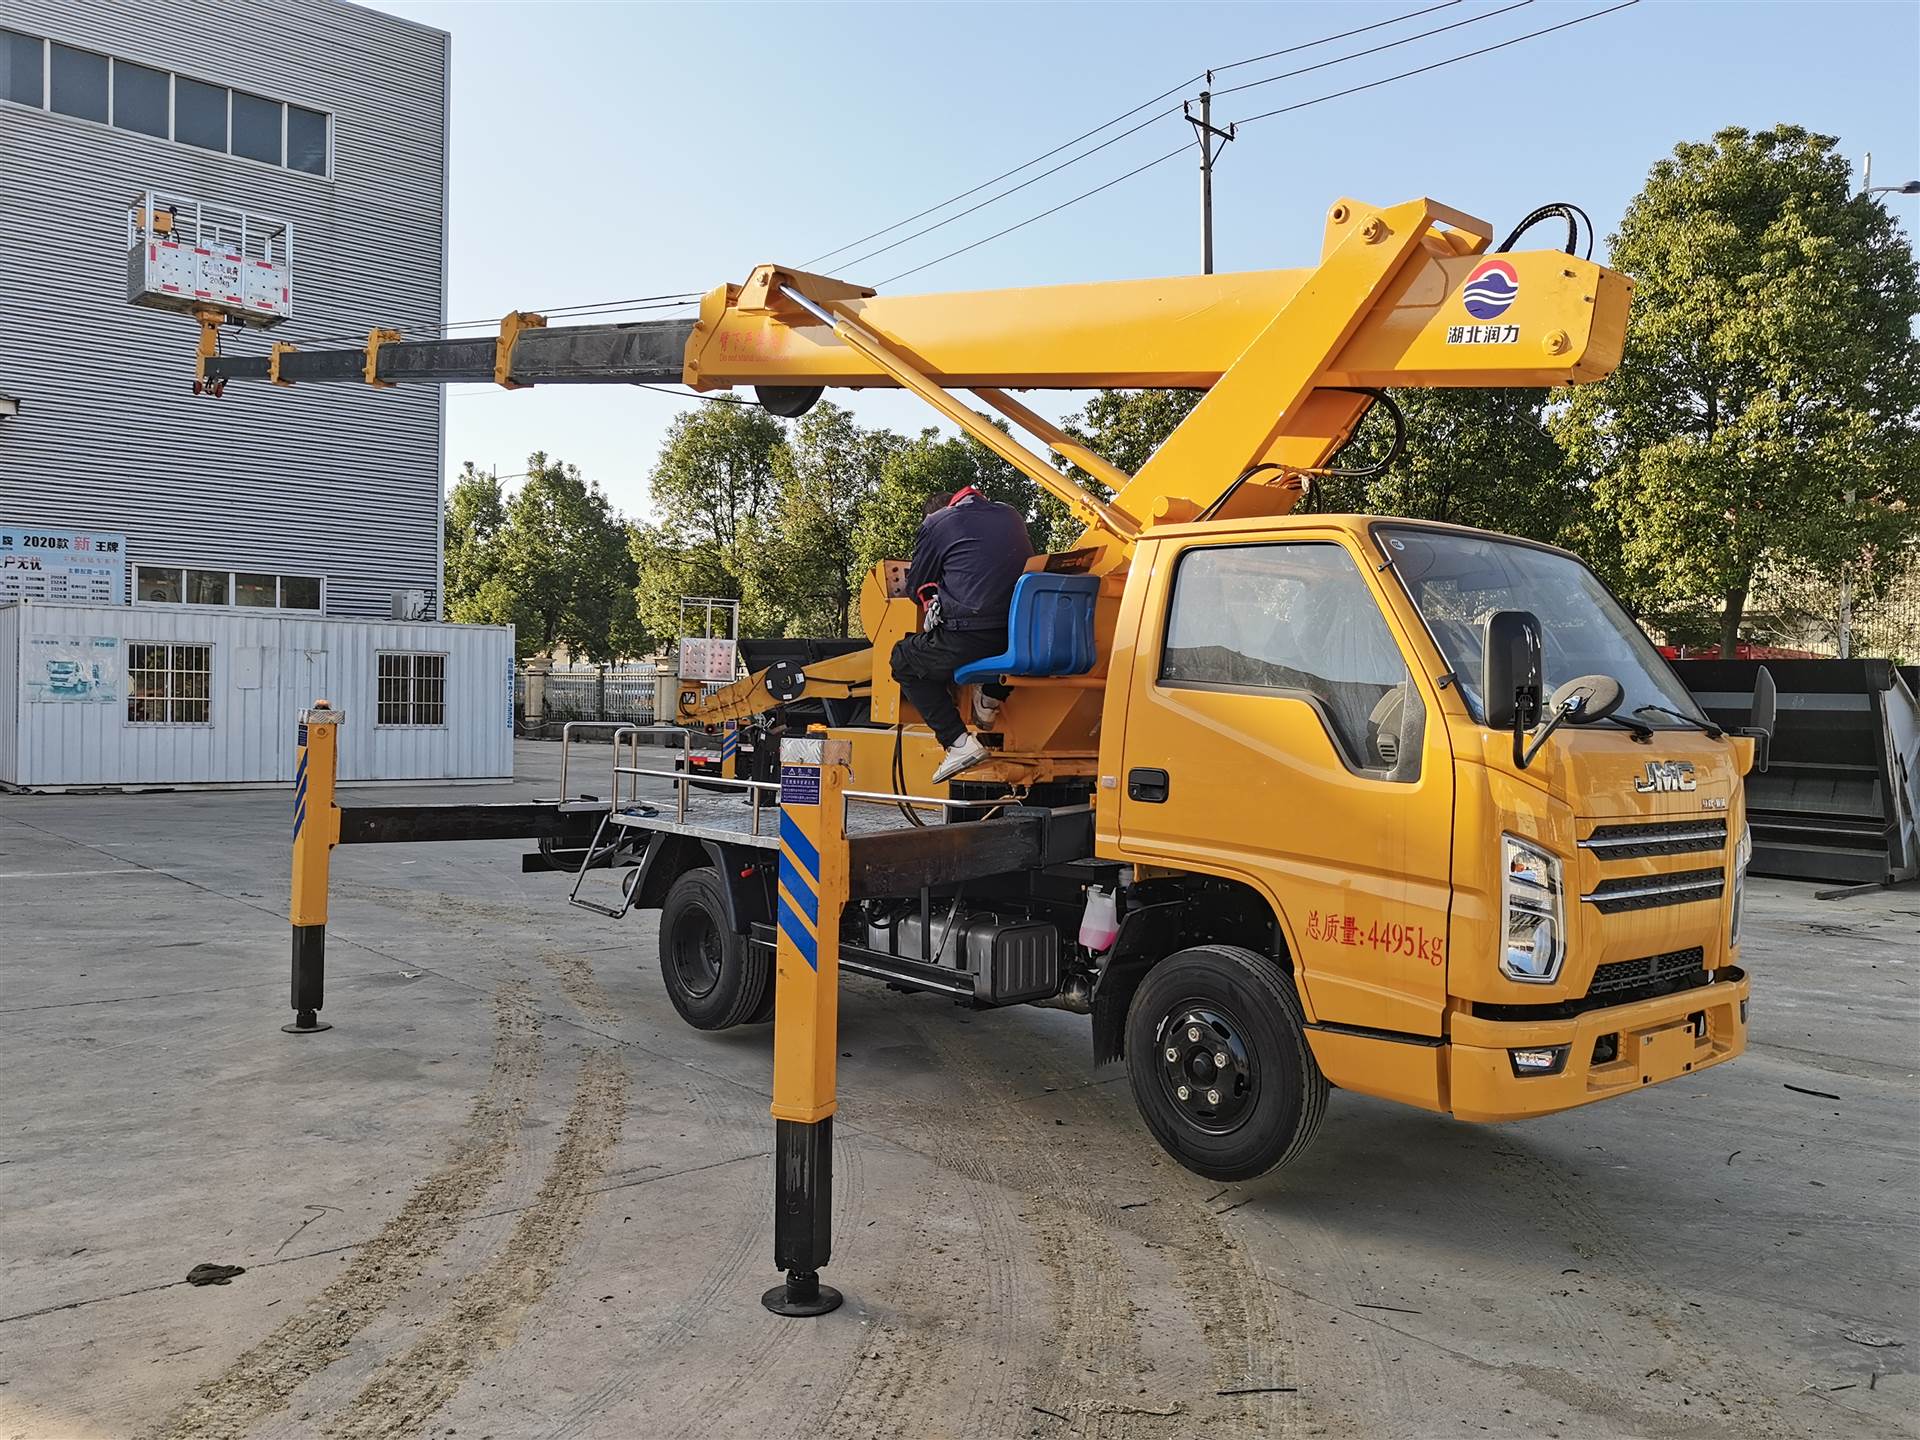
x,y
1586,700
1510,671
1760,719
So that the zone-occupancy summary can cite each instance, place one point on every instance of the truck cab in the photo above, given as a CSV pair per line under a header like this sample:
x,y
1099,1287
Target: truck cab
x,y
1296,711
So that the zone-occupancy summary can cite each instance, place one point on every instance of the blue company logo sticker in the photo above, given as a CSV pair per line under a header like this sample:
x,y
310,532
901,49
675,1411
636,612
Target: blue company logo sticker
x,y
1490,289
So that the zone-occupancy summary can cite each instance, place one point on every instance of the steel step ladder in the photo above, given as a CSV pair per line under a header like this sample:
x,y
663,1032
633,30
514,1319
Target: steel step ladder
x,y
629,882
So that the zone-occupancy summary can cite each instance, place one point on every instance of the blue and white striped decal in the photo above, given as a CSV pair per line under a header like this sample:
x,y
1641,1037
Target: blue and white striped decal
x,y
799,898
300,795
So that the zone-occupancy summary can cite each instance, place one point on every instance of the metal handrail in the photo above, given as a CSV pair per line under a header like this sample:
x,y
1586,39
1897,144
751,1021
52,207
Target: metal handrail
x,y
880,797
566,744
682,776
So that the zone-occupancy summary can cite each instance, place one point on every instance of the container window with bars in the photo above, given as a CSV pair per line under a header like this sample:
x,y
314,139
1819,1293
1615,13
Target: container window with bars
x,y
413,689
169,684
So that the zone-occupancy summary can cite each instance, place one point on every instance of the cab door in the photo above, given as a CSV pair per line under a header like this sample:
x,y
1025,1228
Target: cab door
x,y
1274,734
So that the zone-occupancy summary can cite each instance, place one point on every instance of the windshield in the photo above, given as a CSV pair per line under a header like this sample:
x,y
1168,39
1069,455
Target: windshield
x,y
1456,581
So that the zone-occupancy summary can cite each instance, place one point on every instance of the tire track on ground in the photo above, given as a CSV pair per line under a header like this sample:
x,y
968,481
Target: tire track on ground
x,y
1016,1165
487,1312
724,1260
260,1382
906,1354
1713,1372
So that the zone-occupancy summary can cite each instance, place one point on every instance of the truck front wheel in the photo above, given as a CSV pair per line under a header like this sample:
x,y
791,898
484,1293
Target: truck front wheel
x,y
1218,1058
715,977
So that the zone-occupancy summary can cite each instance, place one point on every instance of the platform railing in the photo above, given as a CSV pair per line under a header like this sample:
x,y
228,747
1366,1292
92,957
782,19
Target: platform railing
x,y
681,773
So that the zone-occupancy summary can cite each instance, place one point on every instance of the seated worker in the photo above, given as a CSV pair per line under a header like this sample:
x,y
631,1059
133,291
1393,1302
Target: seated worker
x,y
968,555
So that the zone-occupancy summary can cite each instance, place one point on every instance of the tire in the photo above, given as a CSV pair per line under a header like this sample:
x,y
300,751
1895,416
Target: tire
x,y
1243,1006
714,976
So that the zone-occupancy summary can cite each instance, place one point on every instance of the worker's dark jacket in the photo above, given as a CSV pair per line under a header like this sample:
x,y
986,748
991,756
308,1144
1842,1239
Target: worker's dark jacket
x,y
975,552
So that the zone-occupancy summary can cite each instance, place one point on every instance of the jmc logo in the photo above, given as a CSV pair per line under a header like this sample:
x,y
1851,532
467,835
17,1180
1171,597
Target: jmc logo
x,y
1665,776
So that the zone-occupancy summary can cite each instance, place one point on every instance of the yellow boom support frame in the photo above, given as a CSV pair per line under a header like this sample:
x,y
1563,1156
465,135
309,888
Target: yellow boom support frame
x,y
1279,353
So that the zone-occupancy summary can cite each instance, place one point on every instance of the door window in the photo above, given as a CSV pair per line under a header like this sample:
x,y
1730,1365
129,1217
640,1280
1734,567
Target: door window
x,y
1297,619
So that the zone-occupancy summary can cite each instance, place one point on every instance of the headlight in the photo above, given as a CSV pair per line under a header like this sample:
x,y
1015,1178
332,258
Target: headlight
x,y
1742,857
1530,902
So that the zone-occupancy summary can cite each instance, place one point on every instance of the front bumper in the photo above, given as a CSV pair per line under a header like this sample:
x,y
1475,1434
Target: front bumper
x,y
1659,1039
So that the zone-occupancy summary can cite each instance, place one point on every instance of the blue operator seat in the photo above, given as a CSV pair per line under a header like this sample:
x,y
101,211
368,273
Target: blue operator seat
x,y
1049,630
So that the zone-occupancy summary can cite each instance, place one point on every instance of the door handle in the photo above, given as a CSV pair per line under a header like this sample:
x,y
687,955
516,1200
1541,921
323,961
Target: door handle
x,y
1149,786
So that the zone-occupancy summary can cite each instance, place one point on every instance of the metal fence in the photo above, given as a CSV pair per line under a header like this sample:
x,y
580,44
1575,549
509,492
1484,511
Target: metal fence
x,y
594,692
1823,615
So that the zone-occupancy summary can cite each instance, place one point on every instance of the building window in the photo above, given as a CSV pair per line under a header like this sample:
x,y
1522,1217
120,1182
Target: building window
x,y
22,69
140,99
257,127
413,690
199,114
79,83
306,140
157,585
257,592
299,592
208,587
244,589
169,684
161,104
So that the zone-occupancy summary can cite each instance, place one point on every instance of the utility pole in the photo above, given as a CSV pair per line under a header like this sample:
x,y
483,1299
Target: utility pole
x,y
1207,134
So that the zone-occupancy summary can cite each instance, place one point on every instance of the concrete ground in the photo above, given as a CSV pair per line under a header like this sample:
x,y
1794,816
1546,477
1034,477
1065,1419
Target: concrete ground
x,y
510,1194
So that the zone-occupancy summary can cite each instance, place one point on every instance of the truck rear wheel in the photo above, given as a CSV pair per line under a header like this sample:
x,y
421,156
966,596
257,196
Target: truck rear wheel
x,y
714,976
1218,1058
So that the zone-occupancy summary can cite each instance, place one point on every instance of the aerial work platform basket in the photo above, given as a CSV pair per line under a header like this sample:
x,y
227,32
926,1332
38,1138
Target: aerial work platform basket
x,y
191,256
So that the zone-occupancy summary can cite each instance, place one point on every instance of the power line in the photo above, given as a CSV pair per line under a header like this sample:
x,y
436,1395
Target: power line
x,y
1264,115
1083,195
1328,39
1161,115
1440,64
580,311
1035,180
1088,135
1372,50
493,393
1006,174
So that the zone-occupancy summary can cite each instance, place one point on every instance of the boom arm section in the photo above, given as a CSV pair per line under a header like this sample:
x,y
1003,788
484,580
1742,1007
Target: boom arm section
x,y
1403,296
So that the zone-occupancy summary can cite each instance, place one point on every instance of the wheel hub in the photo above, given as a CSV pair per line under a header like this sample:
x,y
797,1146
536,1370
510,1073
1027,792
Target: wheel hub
x,y
1205,1064
695,949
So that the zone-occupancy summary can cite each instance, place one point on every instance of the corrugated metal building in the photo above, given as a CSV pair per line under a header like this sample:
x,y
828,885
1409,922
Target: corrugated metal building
x,y
117,695
242,555
324,114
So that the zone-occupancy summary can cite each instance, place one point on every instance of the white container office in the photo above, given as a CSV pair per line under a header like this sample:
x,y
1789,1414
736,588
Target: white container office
x,y
108,695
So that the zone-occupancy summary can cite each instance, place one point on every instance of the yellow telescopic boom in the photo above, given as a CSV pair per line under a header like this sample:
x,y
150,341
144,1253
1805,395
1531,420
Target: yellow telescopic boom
x,y
1289,360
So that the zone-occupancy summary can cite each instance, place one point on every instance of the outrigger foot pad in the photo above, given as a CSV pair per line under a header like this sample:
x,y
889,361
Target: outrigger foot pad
x,y
803,1294
306,1022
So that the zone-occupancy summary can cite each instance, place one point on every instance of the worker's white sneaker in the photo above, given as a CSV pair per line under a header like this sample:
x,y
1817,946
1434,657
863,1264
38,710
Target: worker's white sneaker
x,y
986,709
963,754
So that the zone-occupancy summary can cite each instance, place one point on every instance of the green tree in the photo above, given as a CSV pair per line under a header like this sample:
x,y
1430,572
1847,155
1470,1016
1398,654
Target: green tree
x,y
1485,458
1767,410
930,464
806,573
713,489
555,563
475,512
1123,427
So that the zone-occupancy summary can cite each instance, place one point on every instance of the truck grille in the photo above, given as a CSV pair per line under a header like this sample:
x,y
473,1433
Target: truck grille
x,y
1655,972
1647,892
1662,837
1620,983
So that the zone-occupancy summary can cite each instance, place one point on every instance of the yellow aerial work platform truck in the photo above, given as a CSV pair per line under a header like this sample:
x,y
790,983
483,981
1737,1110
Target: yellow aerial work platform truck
x,y
1285,802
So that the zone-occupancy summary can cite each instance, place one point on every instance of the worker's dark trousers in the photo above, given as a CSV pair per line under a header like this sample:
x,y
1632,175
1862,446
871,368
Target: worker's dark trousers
x,y
924,666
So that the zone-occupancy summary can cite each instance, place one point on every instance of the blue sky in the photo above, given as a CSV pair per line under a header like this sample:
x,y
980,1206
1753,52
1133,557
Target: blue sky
x,y
604,151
